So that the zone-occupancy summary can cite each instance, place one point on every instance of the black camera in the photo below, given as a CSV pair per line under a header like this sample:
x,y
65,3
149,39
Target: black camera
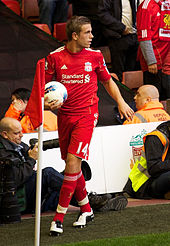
x,y
48,144
9,207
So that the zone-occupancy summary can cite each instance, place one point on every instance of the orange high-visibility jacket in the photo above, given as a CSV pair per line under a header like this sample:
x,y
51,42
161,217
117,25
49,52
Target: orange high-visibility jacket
x,y
50,120
139,173
151,112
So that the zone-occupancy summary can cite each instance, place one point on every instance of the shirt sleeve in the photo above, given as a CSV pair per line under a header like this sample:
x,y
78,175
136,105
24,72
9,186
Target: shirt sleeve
x,y
49,69
102,71
107,19
23,170
143,20
147,51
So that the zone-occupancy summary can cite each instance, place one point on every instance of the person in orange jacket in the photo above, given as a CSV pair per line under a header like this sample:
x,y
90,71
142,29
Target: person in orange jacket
x,y
149,109
16,110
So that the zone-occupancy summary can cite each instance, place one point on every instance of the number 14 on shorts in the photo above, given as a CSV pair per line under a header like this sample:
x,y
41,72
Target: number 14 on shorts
x,y
83,150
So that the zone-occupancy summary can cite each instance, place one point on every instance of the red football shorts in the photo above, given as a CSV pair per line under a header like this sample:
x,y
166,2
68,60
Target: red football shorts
x,y
75,133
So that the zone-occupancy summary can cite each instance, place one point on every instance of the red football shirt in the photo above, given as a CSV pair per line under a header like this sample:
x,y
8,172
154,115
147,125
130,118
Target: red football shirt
x,y
79,72
148,24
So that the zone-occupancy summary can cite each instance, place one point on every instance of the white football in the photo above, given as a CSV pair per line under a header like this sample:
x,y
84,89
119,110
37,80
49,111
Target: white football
x,y
55,91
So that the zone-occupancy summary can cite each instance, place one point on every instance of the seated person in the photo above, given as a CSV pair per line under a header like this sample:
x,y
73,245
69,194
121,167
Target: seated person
x,y
149,109
53,11
150,176
16,110
24,174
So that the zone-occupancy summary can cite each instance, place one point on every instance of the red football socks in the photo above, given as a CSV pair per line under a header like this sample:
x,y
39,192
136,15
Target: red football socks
x,y
72,184
81,195
66,193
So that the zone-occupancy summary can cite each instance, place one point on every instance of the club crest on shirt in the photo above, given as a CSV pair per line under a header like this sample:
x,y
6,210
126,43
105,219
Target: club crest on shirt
x,y
88,67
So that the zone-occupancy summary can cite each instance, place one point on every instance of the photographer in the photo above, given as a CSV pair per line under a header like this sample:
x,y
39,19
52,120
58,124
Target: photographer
x,y
21,175
24,176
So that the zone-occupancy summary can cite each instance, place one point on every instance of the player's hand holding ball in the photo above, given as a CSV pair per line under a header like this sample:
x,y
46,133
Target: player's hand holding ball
x,y
55,94
55,104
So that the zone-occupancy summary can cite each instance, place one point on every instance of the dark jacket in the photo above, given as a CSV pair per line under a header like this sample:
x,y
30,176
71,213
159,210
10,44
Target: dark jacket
x,y
153,151
85,8
22,169
155,166
110,15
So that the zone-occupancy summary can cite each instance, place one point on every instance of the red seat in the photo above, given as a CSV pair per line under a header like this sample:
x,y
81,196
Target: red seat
x,y
13,5
60,31
43,27
30,10
133,79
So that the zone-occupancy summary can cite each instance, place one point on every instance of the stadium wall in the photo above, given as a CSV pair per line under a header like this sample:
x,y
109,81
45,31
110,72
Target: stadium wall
x,y
113,150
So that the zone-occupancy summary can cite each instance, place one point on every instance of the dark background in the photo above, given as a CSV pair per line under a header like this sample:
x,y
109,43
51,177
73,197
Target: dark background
x,y
21,46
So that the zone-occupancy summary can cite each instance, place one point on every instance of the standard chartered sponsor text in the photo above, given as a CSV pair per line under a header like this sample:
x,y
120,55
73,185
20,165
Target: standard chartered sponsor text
x,y
75,78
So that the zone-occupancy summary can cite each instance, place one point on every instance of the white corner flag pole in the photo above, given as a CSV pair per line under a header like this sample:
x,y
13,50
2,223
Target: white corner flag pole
x,y
38,182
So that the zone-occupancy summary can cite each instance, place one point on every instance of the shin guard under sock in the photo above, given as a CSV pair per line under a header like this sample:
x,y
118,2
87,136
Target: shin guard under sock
x,y
66,193
81,194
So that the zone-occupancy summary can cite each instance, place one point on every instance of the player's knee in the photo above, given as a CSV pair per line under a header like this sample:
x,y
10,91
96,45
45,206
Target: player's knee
x,y
73,164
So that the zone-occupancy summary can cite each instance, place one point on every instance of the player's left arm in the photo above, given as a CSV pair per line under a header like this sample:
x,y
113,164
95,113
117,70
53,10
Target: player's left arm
x,y
114,92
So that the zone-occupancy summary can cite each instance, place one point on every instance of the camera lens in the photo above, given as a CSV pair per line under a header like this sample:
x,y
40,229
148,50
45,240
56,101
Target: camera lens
x,y
51,144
